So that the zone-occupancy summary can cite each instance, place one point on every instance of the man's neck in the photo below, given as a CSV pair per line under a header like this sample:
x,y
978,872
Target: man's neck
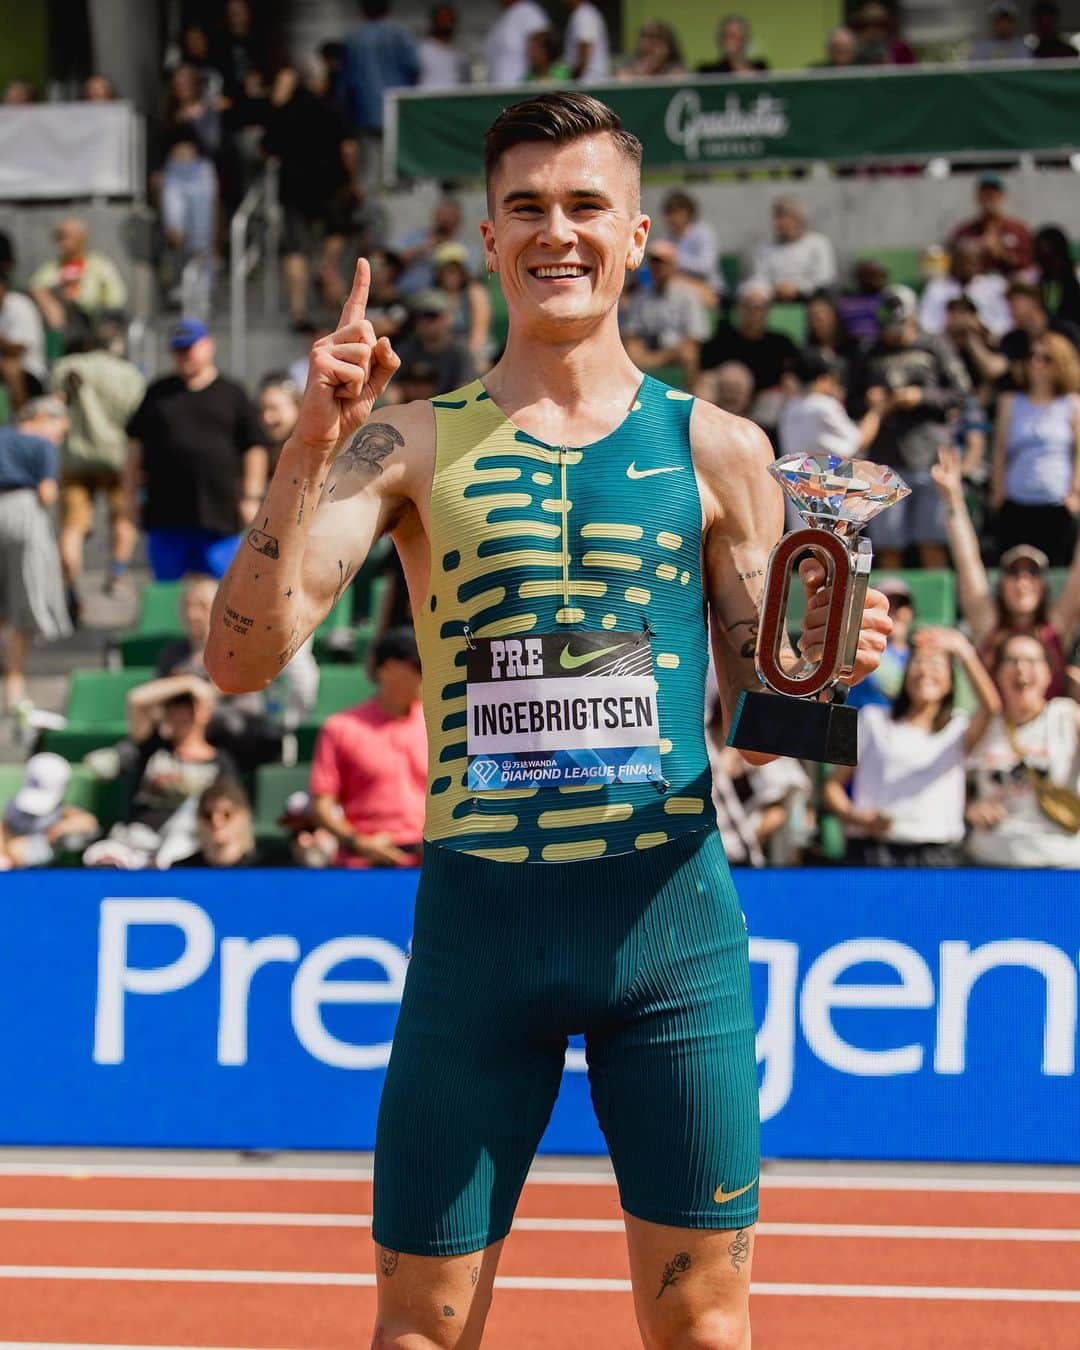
x,y
392,708
202,380
538,367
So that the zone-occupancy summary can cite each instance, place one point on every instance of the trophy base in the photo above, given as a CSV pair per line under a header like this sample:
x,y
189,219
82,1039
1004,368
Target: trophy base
x,y
799,728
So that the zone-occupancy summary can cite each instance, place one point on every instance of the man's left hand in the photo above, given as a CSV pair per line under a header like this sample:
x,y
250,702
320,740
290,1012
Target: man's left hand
x,y
874,629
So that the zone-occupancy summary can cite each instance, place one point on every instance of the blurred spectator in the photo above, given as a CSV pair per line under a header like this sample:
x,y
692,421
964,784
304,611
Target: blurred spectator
x,y
442,65
31,583
1047,41
882,686
695,240
309,844
243,53
1006,242
665,322
78,283
813,421
508,40
1036,464
1005,41
545,63
841,48
656,52
175,764
1025,811
878,42
279,406
730,387
1057,274
433,360
827,333
97,89
470,305
859,308
1022,602
586,49
36,824
416,249
965,339
906,807
387,311
195,52
917,385
317,155
986,291
196,449
102,390
761,811
22,344
1008,367
797,261
189,189
371,762
18,92
379,55
733,47
225,827
249,726
747,338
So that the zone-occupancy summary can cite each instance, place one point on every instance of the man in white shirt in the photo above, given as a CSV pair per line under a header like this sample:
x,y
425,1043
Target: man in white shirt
x,y
815,422
508,41
442,65
665,322
985,290
586,48
22,345
796,262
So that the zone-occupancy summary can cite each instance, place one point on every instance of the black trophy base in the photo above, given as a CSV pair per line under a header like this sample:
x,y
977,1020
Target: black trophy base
x,y
797,727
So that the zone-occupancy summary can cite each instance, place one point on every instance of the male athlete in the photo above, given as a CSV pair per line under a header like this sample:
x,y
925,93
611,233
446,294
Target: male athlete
x,y
560,524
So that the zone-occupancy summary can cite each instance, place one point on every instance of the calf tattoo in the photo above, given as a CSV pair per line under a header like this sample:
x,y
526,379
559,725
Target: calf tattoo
x,y
263,543
678,1265
371,445
739,1248
387,1261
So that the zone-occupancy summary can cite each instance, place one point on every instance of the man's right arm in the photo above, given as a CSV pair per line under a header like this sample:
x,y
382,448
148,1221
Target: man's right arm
x,y
342,478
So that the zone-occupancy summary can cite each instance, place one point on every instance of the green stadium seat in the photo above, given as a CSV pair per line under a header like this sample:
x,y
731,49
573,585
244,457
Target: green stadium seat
x,y
96,711
274,784
932,589
729,271
159,611
143,649
106,799
500,315
339,687
789,320
5,405
903,264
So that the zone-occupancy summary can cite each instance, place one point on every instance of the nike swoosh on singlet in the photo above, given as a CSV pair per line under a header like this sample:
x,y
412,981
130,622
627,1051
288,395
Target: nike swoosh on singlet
x,y
722,1197
633,472
569,661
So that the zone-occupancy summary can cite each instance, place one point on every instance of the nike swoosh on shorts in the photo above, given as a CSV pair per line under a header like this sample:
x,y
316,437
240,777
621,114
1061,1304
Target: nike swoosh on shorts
x,y
722,1197
633,472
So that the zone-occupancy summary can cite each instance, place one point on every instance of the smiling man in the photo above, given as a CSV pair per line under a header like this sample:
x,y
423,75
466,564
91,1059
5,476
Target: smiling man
x,y
559,524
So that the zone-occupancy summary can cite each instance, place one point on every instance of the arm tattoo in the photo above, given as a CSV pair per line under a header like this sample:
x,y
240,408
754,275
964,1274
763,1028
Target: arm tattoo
x,y
748,647
739,1248
344,577
263,543
448,1311
749,576
303,500
290,651
240,624
371,445
678,1265
387,1261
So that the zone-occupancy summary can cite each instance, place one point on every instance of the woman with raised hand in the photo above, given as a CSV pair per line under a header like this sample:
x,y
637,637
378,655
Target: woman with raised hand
x,y
1021,603
906,807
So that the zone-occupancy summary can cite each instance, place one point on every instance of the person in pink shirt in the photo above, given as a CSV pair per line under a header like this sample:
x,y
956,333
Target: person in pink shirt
x,y
369,774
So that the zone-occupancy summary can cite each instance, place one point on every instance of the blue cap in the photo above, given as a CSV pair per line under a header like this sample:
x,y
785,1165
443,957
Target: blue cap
x,y
186,333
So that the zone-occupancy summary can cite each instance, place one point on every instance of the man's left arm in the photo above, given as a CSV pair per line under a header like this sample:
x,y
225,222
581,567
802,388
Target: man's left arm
x,y
743,518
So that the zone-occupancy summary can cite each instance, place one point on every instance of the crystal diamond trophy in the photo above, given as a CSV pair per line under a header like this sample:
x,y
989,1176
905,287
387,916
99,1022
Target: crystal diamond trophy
x,y
836,497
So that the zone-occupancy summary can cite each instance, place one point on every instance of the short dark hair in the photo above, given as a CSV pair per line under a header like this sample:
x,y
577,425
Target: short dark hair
x,y
678,200
396,644
558,118
375,9
225,789
1026,288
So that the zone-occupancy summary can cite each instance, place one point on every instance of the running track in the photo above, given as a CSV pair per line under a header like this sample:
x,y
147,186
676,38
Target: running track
x,y
281,1257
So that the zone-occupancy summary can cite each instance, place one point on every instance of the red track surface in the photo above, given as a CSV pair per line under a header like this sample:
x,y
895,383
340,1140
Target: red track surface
x,y
966,1291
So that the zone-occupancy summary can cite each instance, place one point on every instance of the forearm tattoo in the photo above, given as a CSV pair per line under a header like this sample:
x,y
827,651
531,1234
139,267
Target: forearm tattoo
x,y
263,543
678,1265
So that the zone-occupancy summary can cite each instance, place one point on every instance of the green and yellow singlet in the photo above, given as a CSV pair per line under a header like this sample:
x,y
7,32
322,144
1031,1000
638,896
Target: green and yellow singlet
x,y
531,540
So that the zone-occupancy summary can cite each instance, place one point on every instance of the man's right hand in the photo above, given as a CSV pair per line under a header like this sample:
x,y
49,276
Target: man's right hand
x,y
348,373
380,850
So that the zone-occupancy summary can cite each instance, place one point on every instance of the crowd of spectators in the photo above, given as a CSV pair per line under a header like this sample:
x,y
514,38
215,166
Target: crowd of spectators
x,y
968,386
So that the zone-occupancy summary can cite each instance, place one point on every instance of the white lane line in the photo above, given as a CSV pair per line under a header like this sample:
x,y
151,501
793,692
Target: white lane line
x,y
357,1279
352,1175
287,1219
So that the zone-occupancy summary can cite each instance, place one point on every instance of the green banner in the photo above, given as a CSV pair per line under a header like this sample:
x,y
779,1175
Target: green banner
x,y
877,115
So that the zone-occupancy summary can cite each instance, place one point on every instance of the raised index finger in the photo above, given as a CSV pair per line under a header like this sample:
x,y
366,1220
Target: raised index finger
x,y
355,307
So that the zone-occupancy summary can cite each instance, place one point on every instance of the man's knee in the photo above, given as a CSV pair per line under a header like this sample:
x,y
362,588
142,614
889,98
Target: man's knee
x,y
387,1338
706,1331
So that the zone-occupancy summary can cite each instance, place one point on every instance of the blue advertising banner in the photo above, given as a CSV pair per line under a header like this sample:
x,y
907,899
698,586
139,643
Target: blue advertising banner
x,y
921,1015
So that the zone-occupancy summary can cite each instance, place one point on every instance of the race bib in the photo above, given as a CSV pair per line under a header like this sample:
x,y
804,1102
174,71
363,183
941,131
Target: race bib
x,y
561,710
